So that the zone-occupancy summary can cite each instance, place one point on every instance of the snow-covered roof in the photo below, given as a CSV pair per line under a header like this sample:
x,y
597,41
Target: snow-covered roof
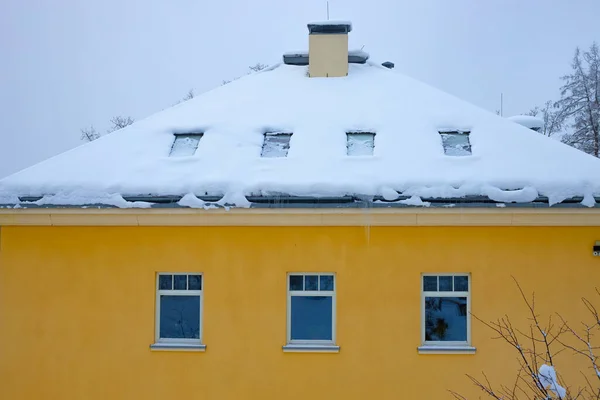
x,y
332,22
527,121
507,163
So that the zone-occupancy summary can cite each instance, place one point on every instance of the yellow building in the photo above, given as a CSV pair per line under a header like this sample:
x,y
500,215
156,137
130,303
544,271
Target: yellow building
x,y
324,229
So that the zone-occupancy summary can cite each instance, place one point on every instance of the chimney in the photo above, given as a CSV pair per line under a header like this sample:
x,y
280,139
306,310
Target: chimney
x,y
328,48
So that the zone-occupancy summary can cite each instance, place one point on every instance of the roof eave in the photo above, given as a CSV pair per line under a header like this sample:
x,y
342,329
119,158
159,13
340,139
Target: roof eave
x,y
324,202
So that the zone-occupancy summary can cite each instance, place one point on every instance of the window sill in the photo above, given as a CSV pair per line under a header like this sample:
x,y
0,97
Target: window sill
x,y
177,347
457,349
311,348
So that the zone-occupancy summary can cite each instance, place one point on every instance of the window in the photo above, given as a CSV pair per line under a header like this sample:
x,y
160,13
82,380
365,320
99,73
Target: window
x,y
311,311
185,144
446,306
178,310
276,144
360,143
456,143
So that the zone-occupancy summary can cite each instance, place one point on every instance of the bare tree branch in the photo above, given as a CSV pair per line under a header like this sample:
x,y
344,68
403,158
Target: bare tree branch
x,y
119,122
536,349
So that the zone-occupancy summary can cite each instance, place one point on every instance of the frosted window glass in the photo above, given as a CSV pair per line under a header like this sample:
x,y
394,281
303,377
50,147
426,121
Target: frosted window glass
x,y
185,145
360,143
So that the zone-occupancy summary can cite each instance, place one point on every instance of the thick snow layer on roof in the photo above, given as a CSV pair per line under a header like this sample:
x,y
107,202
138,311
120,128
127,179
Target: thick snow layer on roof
x,y
509,163
527,121
332,22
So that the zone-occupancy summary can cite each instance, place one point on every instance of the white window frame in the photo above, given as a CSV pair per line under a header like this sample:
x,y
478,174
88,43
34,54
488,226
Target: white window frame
x,y
305,293
174,292
467,294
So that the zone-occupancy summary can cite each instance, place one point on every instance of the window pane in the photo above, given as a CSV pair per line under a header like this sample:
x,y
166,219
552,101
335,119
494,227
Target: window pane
x,y
180,317
445,283
180,282
165,282
296,282
446,319
185,145
326,282
311,318
461,283
360,144
311,282
276,145
430,283
194,282
456,144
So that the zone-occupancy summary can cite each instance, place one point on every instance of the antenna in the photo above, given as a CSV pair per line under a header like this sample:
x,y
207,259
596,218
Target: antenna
x,y
327,11
501,104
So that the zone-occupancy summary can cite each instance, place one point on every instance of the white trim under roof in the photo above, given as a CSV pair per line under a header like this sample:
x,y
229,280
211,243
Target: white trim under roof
x,y
453,216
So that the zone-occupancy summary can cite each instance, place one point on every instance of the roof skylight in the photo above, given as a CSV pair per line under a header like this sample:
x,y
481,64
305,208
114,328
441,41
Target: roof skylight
x,y
456,143
276,144
360,143
185,144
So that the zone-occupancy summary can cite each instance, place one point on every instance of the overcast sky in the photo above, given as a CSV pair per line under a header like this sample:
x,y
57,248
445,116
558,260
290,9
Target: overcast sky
x,y
67,64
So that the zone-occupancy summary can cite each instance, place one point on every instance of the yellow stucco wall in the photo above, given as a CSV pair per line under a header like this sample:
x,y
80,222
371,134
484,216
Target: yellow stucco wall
x,y
77,308
328,55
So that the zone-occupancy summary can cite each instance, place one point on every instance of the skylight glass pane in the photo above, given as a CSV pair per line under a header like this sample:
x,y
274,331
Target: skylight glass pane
x,y
360,143
276,145
456,143
185,145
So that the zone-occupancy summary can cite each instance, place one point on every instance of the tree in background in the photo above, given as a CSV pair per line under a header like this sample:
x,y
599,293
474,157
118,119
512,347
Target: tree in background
x,y
189,95
551,116
89,134
536,348
118,122
257,67
253,68
580,101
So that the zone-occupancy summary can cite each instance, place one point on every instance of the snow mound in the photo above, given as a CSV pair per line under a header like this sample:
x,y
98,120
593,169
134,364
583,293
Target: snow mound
x,y
527,121
549,379
84,198
415,201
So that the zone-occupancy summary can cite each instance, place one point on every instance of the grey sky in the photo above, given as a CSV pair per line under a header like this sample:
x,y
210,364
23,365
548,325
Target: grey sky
x,y
67,64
